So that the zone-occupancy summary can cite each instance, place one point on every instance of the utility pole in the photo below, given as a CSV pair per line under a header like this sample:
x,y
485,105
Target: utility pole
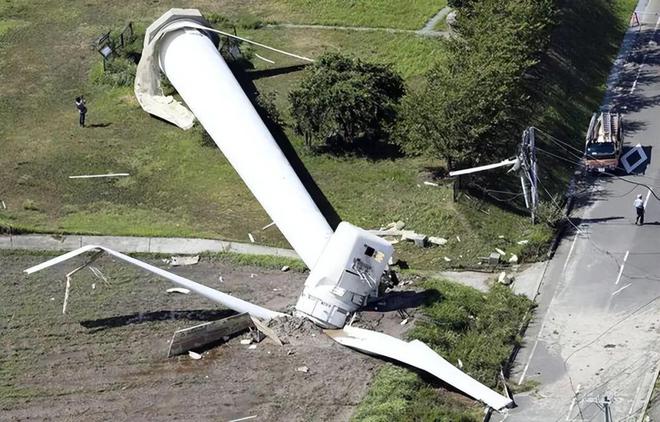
x,y
604,405
528,161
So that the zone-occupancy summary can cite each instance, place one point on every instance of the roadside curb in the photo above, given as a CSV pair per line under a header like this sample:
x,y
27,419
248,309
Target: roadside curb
x,y
131,244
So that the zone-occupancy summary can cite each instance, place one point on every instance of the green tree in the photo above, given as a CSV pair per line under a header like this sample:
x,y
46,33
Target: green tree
x,y
476,101
346,100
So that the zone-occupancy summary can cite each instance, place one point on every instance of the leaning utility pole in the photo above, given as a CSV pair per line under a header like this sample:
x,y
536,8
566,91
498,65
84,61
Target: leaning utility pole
x,y
603,405
528,163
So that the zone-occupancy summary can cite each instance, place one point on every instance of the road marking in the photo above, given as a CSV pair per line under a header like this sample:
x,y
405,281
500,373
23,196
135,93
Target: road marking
x,y
624,287
570,409
531,355
648,195
570,252
625,258
639,72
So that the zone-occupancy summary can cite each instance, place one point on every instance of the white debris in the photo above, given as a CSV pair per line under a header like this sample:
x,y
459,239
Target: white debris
x,y
93,286
458,238
220,279
285,268
430,184
404,322
246,341
91,176
268,225
264,59
252,347
302,369
500,236
178,261
502,277
513,259
437,240
253,275
251,237
181,290
4,207
500,251
460,364
523,242
447,259
194,355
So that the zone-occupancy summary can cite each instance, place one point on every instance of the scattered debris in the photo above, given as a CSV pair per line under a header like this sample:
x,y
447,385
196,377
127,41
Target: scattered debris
x,y
419,239
246,341
285,268
431,184
90,176
404,322
252,347
179,261
440,241
265,330
251,237
458,238
220,279
505,279
494,258
500,236
302,369
253,275
194,355
500,251
513,259
199,336
264,59
268,225
523,242
4,207
243,419
447,259
460,363
181,290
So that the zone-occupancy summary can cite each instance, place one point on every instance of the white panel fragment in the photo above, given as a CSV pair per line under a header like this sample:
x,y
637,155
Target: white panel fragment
x,y
419,355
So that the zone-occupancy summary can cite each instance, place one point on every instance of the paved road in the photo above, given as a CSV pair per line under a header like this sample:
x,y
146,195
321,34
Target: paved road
x,y
598,319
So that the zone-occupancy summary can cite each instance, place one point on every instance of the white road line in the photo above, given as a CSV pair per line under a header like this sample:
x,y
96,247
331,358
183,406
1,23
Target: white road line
x,y
624,287
648,195
570,409
570,252
639,72
625,258
531,355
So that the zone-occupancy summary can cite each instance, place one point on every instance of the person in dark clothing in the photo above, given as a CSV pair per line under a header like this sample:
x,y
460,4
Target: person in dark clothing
x,y
82,110
639,207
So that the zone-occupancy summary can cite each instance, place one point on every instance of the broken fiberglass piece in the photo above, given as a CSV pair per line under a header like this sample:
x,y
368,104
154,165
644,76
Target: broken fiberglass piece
x,y
419,355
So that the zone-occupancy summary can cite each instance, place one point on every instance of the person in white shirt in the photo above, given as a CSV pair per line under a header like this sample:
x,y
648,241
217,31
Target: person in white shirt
x,y
639,207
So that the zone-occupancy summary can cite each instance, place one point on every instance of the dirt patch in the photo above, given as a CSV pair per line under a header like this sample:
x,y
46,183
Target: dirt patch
x,y
107,358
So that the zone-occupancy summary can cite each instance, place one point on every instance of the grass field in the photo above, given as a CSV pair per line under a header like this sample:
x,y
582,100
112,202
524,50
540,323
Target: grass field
x,y
459,323
178,186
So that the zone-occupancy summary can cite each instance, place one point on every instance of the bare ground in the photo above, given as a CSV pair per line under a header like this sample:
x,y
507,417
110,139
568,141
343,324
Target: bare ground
x,y
107,358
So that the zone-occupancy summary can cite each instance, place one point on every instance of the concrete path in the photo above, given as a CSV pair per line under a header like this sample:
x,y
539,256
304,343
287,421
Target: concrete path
x,y
598,316
130,244
426,31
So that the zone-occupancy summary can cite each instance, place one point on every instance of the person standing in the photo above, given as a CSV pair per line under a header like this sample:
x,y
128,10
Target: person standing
x,y
639,207
82,110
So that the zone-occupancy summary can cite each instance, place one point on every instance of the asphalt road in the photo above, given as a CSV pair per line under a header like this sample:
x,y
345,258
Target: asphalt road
x,y
598,320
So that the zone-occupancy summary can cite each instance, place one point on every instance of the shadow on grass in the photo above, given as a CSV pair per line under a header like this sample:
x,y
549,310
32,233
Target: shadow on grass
x,y
199,315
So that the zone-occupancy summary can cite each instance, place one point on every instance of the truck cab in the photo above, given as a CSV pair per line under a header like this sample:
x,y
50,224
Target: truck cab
x,y
603,144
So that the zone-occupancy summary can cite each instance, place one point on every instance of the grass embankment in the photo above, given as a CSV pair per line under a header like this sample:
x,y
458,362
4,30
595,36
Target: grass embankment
x,y
460,323
179,187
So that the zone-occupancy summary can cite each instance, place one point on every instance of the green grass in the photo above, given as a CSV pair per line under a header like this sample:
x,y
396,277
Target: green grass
x,y
178,187
370,13
458,323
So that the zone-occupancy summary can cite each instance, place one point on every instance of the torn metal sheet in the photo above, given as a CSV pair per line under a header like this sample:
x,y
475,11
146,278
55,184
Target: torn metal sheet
x,y
92,176
419,355
229,301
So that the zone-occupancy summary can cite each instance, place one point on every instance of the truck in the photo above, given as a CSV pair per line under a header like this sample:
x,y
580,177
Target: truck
x,y
603,144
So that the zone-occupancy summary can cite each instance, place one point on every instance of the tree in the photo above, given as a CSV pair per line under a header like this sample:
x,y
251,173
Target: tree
x,y
346,100
475,102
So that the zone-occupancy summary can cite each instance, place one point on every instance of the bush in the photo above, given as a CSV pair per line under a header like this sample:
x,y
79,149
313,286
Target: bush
x,y
343,100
